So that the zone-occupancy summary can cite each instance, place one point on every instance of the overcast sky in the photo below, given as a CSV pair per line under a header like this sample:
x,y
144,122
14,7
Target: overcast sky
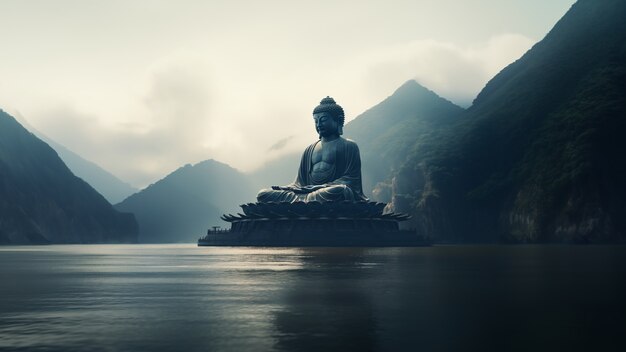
x,y
143,87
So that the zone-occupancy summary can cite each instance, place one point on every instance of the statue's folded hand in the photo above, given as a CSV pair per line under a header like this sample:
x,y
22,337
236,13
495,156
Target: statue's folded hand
x,y
299,189
308,189
314,188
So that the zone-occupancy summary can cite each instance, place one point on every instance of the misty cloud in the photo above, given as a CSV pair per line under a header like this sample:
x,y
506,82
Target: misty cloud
x,y
179,117
280,144
165,130
176,83
453,71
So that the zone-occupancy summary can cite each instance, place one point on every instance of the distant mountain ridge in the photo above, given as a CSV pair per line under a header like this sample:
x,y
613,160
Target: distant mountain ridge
x,y
111,187
181,206
41,201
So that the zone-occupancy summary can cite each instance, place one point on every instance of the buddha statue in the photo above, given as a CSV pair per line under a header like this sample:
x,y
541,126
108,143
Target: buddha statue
x,y
330,168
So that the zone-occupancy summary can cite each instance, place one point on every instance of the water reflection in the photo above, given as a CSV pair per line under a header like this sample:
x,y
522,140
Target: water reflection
x,y
327,305
180,297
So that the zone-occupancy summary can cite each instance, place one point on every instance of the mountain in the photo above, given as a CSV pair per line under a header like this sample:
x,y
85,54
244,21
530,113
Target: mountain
x,y
181,206
539,156
111,187
41,201
387,132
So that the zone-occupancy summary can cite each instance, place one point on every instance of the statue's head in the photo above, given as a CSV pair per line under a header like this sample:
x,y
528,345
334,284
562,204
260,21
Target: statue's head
x,y
328,110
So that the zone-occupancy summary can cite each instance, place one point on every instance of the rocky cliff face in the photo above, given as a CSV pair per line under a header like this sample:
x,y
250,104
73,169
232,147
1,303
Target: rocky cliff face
x,y
539,155
41,201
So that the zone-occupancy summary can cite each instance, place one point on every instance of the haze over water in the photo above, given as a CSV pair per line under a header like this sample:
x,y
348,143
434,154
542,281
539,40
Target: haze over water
x,y
181,297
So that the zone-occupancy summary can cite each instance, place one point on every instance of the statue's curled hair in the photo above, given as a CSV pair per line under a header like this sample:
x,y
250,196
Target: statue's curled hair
x,y
329,105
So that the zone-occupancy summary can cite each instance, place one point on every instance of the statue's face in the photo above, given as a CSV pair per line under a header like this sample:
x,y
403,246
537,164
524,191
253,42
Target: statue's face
x,y
325,124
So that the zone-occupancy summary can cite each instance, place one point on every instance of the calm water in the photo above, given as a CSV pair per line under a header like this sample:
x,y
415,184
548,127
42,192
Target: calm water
x,y
185,298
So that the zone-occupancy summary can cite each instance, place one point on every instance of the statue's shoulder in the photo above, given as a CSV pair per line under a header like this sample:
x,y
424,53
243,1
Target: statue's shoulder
x,y
312,145
310,148
350,143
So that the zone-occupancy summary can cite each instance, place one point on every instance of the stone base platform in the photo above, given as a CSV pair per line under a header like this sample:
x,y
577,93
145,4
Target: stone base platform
x,y
333,224
320,232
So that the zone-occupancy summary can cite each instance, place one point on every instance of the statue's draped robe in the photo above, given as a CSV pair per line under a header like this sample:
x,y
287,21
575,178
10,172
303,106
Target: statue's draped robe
x,y
343,180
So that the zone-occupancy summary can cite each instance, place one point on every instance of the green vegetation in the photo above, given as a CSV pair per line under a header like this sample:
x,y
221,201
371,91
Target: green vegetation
x,y
386,133
539,155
